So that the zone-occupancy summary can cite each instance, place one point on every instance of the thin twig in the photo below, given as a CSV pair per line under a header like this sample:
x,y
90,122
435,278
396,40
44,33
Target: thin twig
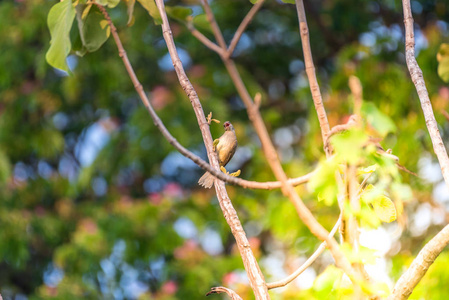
x,y
213,24
357,92
238,34
420,85
203,39
310,70
307,263
253,271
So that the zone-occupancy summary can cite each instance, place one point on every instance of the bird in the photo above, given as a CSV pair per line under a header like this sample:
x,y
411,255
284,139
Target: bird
x,y
225,147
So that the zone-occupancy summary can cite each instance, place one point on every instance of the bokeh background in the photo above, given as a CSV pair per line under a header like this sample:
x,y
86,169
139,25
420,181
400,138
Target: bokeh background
x,y
95,204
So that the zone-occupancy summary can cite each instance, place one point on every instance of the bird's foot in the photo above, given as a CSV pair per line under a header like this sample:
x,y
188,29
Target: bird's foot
x,y
209,119
235,174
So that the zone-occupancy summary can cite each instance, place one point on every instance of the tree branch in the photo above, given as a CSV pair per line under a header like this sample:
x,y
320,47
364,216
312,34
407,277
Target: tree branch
x,y
305,265
238,34
420,85
408,281
255,276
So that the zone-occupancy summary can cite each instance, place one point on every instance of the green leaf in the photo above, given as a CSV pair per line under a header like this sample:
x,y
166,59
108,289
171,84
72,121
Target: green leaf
x,y
178,12
349,145
5,167
285,1
93,28
323,183
201,22
60,20
151,7
377,119
384,209
109,3
368,218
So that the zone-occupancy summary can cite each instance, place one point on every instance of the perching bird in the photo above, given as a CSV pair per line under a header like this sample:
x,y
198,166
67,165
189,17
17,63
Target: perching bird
x,y
225,147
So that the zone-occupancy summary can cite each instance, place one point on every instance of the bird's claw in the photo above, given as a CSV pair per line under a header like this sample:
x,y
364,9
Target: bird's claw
x,y
209,119
235,174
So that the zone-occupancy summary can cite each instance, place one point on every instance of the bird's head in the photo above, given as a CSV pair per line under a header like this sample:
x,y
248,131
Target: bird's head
x,y
228,126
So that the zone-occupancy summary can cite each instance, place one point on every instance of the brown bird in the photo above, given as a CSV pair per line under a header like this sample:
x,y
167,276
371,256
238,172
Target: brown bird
x,y
225,147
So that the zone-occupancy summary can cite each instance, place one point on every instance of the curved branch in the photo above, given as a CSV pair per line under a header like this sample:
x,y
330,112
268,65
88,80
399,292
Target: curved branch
x,y
222,289
305,265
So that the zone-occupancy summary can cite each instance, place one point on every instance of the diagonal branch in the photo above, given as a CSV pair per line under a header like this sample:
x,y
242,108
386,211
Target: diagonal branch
x,y
408,281
255,276
418,81
238,34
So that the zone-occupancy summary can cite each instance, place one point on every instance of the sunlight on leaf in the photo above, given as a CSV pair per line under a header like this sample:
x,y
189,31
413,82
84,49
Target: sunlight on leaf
x,y
151,7
323,182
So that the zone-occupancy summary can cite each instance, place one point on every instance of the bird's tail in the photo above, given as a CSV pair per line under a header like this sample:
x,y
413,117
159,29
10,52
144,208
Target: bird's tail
x,y
207,180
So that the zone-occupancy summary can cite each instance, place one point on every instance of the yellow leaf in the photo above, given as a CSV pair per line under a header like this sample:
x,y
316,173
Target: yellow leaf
x,y
384,209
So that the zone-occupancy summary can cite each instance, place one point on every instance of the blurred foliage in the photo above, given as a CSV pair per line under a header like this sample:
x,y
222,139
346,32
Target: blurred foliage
x,y
96,205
